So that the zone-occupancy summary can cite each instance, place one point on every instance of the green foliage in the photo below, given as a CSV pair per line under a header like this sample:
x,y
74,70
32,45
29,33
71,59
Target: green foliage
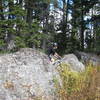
x,y
97,42
36,35
2,43
31,21
19,42
69,78
35,39
18,11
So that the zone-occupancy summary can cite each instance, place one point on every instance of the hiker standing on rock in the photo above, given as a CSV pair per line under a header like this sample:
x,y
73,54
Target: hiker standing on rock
x,y
53,55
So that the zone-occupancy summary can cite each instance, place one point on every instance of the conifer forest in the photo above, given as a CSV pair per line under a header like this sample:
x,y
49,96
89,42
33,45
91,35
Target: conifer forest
x,y
73,24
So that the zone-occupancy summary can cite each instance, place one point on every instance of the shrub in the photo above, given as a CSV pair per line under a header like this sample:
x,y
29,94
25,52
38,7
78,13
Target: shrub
x,y
79,86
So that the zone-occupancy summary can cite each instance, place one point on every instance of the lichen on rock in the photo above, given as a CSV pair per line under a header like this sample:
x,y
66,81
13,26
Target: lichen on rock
x,y
28,73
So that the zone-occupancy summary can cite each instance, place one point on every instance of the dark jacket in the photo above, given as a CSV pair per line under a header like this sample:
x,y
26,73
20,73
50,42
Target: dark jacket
x,y
51,51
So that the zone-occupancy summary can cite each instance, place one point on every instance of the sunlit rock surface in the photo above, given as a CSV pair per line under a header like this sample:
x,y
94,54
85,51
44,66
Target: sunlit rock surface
x,y
28,74
73,62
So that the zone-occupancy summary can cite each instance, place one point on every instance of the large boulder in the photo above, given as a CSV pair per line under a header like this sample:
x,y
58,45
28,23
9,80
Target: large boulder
x,y
28,74
73,62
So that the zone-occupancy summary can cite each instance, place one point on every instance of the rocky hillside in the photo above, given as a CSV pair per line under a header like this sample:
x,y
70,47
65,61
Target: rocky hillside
x,y
28,74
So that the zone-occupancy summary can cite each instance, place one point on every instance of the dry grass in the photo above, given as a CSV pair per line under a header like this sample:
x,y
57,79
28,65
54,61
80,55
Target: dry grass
x,y
79,86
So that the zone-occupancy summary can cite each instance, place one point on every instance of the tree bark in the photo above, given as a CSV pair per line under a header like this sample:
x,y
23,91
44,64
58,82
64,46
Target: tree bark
x,y
1,10
29,9
82,28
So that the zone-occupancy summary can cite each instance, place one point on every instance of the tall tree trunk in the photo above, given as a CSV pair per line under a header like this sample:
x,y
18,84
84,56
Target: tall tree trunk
x,y
1,10
20,2
10,4
74,26
45,27
64,27
67,8
82,27
29,12
44,40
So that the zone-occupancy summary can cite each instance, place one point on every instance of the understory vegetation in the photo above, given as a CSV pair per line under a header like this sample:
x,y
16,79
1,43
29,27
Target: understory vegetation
x,y
78,86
